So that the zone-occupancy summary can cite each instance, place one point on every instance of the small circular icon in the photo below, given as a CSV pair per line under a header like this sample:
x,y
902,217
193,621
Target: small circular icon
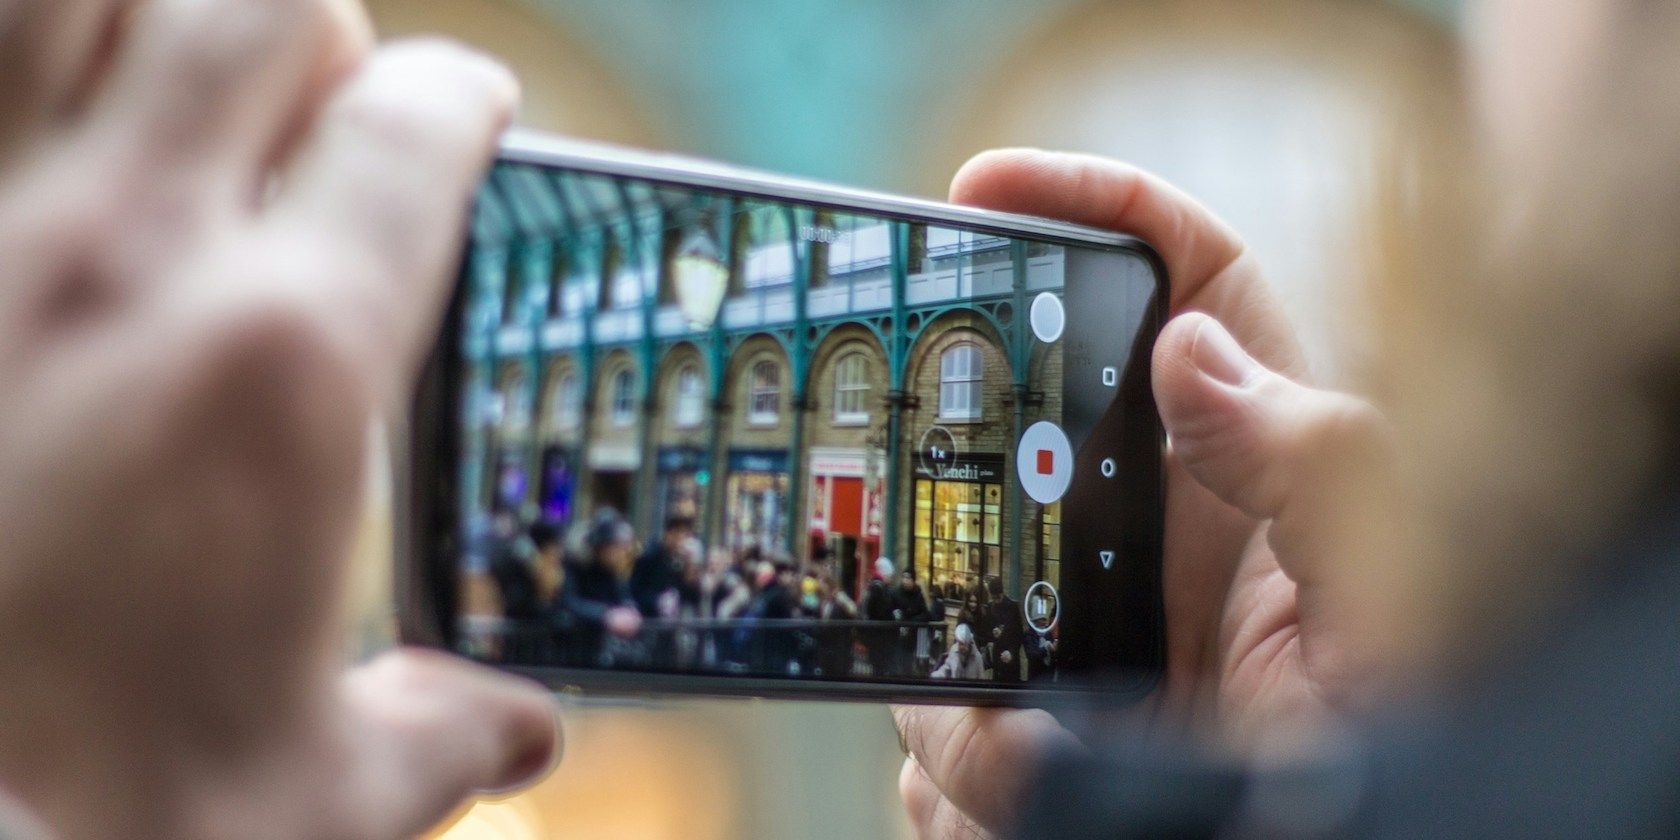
x,y
937,452
1041,607
1109,468
1044,462
1048,318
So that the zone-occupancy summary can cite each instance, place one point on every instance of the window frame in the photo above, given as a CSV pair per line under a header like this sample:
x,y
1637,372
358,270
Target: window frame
x,y
689,409
622,405
566,406
756,393
858,390
974,379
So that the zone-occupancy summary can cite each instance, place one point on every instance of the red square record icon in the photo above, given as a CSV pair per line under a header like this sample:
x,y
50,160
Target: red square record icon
x,y
1046,462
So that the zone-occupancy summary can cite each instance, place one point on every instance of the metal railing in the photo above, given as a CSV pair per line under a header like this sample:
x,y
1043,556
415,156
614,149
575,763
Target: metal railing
x,y
748,646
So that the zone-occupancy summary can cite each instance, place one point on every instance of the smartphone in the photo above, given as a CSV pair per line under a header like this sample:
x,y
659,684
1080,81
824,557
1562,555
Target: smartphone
x,y
689,428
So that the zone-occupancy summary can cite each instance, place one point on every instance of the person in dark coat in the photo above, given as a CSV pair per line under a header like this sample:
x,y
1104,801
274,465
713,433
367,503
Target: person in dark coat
x,y
774,648
658,572
1007,631
596,601
834,645
516,585
910,607
880,604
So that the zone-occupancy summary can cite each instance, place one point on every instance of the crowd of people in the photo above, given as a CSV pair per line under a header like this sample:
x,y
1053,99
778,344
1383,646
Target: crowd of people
x,y
594,597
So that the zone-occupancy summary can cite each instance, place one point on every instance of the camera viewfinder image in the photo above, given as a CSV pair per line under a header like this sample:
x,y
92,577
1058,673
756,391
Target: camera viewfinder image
x,y
710,433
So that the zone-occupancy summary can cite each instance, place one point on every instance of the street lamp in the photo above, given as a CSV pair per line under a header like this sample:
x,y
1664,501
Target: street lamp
x,y
701,280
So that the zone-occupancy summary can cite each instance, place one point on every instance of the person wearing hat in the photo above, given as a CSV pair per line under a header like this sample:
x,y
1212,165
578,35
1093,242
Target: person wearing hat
x,y
879,604
597,596
962,662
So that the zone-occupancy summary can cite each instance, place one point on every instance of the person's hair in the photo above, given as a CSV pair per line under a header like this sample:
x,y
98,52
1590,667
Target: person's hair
x,y
679,522
607,531
544,534
994,586
822,554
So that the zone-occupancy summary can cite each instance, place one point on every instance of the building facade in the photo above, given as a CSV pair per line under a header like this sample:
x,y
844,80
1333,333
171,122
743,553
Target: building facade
x,y
785,377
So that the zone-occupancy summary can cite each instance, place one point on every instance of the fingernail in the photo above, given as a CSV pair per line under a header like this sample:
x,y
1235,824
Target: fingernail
x,y
1219,356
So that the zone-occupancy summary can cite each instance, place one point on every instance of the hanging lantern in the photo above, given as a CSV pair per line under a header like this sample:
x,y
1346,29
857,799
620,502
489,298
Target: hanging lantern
x,y
701,280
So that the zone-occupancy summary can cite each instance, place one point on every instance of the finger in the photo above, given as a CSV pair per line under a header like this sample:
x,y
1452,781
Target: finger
x,y
932,816
213,86
1208,265
1094,191
432,729
384,184
48,50
981,759
1261,442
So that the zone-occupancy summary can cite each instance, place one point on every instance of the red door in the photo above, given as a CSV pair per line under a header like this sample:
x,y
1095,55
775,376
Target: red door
x,y
845,512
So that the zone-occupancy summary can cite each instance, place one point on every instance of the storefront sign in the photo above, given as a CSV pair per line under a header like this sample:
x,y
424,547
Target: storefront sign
x,y
766,461
615,457
984,467
675,459
841,462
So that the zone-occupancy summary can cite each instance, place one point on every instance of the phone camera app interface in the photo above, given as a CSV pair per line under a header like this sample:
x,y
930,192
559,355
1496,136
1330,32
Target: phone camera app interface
x,y
711,433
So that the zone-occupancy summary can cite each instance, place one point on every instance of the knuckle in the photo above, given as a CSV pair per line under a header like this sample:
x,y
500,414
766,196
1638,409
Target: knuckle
x,y
274,352
209,40
426,93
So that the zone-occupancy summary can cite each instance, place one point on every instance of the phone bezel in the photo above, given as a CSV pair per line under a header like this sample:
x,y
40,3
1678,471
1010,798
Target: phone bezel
x,y
425,589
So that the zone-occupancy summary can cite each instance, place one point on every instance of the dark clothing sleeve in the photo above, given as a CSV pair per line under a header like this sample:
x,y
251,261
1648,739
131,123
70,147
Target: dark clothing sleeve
x,y
1573,731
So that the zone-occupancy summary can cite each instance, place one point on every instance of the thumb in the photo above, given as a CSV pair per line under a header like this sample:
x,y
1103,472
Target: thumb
x,y
1261,442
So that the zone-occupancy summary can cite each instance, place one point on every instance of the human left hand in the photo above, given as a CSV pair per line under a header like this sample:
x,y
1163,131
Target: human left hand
x,y
228,228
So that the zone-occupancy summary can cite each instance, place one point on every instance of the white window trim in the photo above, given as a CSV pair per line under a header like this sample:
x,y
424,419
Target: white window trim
x,y
977,415
623,418
568,402
754,416
681,418
851,418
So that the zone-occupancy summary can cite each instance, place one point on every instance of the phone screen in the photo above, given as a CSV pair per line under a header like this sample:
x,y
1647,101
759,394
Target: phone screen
x,y
702,431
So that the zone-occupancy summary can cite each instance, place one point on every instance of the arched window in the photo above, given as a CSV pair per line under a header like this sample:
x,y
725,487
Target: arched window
x,y
851,390
690,410
764,398
567,406
623,398
962,369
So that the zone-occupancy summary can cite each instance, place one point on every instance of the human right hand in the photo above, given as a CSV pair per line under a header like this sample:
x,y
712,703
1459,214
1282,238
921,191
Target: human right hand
x,y
1259,639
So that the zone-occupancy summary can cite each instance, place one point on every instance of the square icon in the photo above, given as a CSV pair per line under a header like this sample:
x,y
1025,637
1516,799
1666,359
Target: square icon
x,y
1111,377
1046,462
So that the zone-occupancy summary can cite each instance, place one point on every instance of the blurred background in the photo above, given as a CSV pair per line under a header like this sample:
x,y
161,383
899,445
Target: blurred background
x,y
1281,115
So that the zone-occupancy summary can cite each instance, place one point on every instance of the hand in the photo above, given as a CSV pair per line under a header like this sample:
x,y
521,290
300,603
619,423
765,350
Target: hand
x,y
1006,657
623,622
1256,643
227,227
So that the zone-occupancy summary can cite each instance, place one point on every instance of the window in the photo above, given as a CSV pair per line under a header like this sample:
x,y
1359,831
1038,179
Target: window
x,y
568,402
851,390
764,399
958,531
962,369
691,398
623,398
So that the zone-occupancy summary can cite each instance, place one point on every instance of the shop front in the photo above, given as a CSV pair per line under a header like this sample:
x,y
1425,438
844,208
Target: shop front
x,y
845,503
756,500
958,528
557,490
612,469
681,484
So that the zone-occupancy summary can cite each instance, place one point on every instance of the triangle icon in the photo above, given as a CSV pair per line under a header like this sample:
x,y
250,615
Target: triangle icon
x,y
1107,559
